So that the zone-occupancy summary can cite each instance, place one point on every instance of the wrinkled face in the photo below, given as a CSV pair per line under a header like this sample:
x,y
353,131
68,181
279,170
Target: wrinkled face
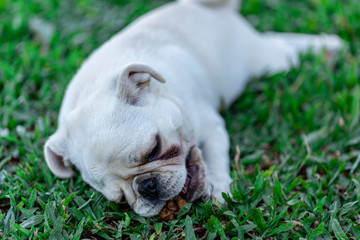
x,y
143,154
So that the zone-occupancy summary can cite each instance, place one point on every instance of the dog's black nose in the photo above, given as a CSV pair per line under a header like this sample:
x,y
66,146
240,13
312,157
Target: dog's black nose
x,y
149,189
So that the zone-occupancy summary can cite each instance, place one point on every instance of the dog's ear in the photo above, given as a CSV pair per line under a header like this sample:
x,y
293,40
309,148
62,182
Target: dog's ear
x,y
134,81
55,152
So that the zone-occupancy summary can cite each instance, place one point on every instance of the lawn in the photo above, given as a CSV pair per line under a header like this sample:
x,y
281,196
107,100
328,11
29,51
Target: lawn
x,y
297,176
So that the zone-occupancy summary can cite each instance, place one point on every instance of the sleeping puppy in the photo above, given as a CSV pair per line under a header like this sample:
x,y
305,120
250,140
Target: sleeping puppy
x,y
140,118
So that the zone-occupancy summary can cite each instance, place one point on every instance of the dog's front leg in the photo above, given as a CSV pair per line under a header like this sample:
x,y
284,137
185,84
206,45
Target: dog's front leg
x,y
214,144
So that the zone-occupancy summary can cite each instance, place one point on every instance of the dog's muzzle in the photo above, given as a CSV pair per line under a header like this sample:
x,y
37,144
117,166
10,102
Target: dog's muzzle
x,y
153,190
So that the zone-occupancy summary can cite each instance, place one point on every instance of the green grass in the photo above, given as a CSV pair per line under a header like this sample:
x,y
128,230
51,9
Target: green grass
x,y
298,132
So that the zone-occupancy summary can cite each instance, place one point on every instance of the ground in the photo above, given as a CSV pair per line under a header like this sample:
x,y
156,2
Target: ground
x,y
298,133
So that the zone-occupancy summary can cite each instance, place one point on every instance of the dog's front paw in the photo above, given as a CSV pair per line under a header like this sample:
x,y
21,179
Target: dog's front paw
x,y
214,192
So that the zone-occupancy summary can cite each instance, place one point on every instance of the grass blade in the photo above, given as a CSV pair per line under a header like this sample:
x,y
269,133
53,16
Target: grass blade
x,y
189,230
338,231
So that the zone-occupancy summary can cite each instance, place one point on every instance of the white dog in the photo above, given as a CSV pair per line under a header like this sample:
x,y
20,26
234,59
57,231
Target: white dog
x,y
140,118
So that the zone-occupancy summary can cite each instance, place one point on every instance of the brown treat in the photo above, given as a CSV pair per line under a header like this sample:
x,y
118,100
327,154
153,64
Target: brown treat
x,y
167,214
181,202
172,208
172,205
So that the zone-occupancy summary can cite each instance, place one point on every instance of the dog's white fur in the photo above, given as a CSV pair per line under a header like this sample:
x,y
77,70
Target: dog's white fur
x,y
165,75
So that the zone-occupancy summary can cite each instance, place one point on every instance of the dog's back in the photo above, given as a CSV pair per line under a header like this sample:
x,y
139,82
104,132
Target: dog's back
x,y
192,27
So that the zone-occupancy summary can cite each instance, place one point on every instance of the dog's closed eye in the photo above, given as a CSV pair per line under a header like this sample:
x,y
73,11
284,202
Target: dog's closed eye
x,y
173,151
155,151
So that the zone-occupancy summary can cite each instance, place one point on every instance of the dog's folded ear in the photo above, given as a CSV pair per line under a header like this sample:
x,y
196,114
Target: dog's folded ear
x,y
134,81
56,157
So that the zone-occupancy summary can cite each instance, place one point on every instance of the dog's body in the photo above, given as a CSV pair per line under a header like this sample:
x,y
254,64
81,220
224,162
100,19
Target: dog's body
x,y
149,140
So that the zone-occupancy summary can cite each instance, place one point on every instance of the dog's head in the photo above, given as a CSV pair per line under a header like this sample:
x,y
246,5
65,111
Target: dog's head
x,y
131,141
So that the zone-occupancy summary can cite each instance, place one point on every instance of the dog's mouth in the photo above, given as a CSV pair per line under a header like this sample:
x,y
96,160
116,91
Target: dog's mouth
x,y
192,178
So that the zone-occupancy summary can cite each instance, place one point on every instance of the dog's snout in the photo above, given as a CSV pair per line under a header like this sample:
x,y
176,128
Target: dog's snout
x,y
149,189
